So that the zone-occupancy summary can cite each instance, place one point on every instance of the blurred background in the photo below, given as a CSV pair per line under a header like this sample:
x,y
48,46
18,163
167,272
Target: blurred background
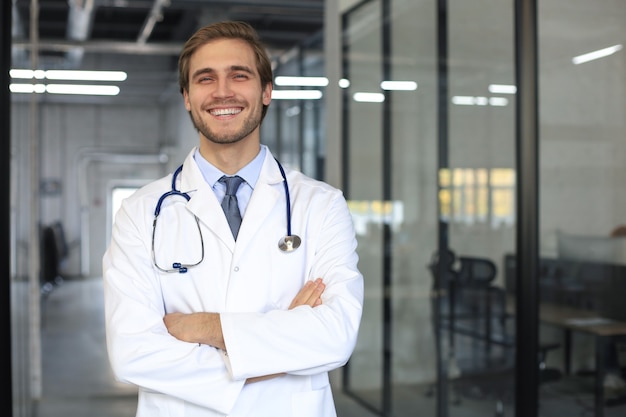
x,y
410,107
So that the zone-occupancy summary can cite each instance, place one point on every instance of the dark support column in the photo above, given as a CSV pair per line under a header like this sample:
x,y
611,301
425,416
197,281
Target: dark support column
x,y
345,159
527,133
301,118
442,355
6,405
386,152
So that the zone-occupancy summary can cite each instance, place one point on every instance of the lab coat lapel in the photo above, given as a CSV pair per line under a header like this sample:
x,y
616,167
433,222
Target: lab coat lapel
x,y
206,207
203,203
267,197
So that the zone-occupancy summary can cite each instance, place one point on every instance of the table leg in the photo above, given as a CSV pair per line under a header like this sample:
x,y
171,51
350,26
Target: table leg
x,y
601,344
567,357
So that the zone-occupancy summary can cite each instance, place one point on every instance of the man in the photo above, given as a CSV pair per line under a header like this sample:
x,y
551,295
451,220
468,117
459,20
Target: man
x,y
212,322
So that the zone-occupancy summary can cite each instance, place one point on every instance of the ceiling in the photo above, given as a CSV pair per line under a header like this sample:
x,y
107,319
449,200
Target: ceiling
x,y
144,37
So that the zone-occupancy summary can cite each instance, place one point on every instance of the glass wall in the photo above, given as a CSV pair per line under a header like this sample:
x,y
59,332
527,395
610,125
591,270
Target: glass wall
x,y
432,179
477,180
451,182
362,126
293,129
582,80
390,134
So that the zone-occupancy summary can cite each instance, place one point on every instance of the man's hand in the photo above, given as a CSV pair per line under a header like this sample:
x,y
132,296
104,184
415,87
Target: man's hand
x,y
309,295
204,328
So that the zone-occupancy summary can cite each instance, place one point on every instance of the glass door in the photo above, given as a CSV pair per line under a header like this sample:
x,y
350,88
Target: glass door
x,y
365,375
429,139
582,78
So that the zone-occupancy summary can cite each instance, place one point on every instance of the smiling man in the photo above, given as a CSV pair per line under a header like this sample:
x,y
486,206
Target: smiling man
x,y
212,308
226,99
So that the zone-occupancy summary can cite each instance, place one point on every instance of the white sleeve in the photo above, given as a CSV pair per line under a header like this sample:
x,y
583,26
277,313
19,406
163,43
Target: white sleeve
x,y
141,351
306,340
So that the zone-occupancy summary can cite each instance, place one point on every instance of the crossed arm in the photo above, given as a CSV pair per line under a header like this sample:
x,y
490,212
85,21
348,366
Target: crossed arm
x,y
205,328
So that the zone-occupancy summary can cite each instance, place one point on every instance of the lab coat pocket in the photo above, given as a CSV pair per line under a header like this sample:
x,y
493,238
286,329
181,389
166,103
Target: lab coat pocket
x,y
315,403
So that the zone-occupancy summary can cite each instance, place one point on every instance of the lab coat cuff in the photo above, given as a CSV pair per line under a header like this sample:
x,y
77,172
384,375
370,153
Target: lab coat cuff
x,y
231,395
227,362
233,347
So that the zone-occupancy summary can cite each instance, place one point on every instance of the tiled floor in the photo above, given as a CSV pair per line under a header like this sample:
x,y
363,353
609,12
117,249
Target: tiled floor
x,y
77,381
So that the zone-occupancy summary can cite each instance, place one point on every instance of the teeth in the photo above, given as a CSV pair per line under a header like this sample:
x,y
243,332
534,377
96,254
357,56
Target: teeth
x,y
225,112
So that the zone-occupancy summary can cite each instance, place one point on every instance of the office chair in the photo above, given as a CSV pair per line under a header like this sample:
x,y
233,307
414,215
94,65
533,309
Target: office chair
x,y
474,307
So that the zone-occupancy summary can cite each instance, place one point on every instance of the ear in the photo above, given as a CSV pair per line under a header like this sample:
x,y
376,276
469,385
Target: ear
x,y
267,94
186,100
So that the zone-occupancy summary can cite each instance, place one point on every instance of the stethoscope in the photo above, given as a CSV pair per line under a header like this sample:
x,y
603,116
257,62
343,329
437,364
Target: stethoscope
x,y
288,243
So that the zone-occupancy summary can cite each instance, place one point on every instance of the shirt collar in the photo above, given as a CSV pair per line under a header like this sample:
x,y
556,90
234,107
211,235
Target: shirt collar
x,y
250,173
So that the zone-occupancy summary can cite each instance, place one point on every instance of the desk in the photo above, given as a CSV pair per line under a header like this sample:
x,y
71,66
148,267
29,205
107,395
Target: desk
x,y
585,321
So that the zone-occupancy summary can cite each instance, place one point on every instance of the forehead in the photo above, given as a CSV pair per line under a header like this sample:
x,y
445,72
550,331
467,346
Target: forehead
x,y
222,54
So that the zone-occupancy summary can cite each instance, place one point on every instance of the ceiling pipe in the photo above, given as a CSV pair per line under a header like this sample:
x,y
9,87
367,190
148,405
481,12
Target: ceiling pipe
x,y
80,18
117,47
17,31
155,15
111,47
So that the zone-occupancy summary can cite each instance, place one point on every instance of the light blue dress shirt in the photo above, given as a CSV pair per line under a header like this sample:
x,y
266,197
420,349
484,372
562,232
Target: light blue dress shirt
x,y
250,173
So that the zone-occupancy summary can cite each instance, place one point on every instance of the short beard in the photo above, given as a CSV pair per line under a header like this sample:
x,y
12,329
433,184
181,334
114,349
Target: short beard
x,y
248,127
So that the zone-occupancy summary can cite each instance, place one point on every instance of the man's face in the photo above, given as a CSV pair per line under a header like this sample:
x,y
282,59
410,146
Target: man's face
x,y
225,98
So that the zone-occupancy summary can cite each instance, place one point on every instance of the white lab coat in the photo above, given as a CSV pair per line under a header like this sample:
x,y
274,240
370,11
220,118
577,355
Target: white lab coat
x,y
250,282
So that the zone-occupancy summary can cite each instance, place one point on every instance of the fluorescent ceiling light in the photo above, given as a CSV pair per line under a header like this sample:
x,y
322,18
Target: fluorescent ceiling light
x,y
89,90
86,75
463,100
399,85
296,94
480,101
27,88
26,74
344,83
69,75
502,89
301,81
369,97
82,89
601,53
498,101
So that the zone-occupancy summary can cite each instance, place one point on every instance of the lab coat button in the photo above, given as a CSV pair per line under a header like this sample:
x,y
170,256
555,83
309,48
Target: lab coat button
x,y
236,269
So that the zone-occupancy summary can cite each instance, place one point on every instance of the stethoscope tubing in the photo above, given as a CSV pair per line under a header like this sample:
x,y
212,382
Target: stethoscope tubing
x,y
286,244
287,197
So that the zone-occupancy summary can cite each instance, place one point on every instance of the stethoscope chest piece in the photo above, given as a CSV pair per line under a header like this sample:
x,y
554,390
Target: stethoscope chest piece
x,y
289,243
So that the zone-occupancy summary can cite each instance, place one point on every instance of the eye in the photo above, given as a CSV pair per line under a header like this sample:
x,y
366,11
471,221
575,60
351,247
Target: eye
x,y
241,76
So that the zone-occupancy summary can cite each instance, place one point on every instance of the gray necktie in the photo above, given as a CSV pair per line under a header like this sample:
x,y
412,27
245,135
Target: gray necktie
x,y
229,203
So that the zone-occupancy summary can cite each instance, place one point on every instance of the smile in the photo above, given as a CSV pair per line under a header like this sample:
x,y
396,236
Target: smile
x,y
225,112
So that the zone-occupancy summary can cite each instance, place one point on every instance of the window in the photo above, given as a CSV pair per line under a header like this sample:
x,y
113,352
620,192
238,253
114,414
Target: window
x,y
477,195
117,195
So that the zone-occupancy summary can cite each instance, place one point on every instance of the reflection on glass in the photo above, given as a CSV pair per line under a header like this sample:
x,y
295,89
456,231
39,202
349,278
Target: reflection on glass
x,y
475,195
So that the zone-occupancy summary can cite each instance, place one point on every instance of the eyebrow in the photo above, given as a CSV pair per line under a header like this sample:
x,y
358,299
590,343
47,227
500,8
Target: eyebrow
x,y
233,68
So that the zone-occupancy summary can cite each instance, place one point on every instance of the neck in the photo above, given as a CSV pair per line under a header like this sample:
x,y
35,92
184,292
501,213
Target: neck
x,y
230,157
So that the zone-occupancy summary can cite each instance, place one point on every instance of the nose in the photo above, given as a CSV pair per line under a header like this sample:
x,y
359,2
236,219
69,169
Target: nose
x,y
223,88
